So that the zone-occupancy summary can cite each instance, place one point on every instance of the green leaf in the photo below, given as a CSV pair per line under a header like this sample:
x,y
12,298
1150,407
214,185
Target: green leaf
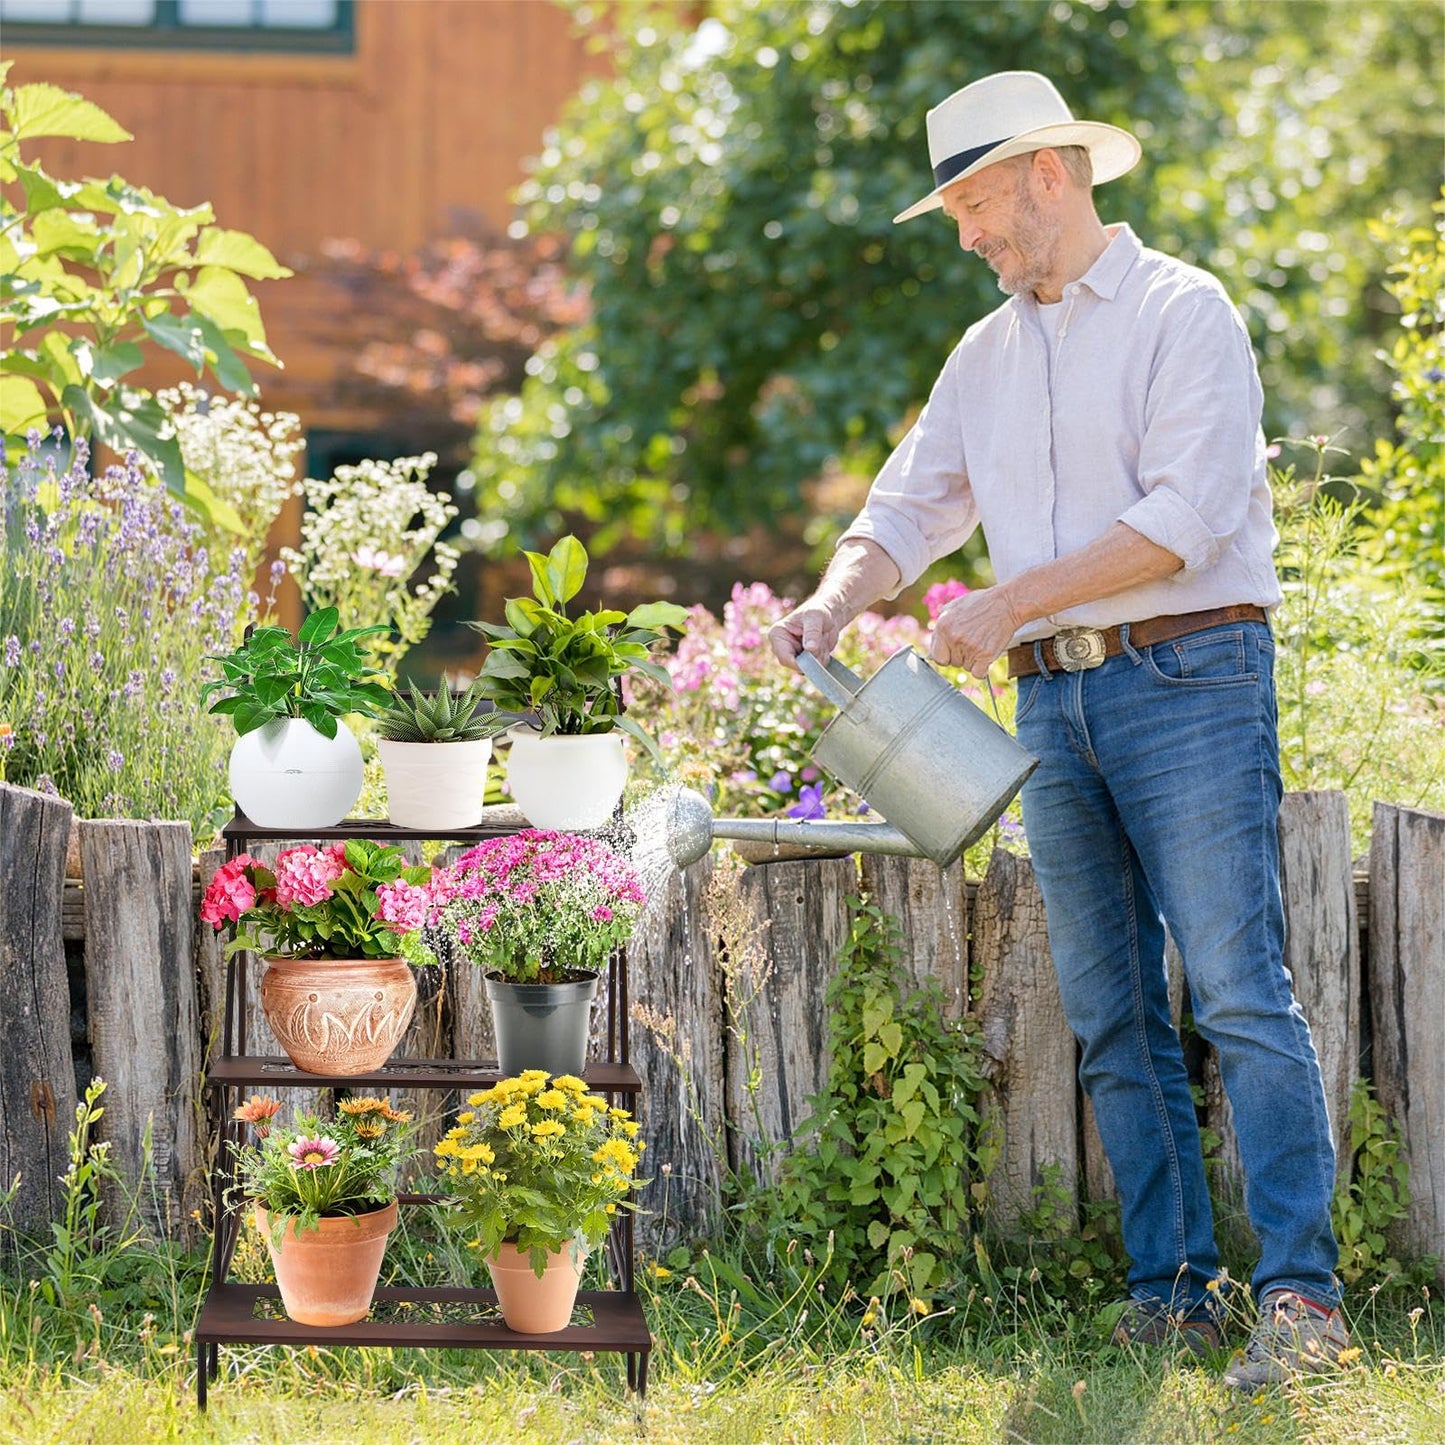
x,y
567,568
213,509
21,405
318,626
657,614
222,296
184,337
541,584
240,252
224,361
42,109
128,419
116,361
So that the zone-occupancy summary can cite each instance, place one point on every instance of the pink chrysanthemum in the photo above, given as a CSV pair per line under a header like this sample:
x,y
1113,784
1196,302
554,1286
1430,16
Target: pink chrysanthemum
x,y
313,1153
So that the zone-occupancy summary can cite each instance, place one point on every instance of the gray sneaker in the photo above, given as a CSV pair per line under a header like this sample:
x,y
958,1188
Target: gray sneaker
x,y
1146,1322
1293,1335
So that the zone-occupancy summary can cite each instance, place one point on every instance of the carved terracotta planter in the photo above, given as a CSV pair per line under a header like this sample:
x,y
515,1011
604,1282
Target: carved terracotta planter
x,y
338,1015
327,1276
530,1305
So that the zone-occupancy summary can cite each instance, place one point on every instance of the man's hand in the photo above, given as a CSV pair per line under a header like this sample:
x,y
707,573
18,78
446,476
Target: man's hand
x,y
973,630
809,628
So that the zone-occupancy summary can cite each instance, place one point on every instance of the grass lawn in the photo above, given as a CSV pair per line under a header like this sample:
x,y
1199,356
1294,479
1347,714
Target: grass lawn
x,y
126,1381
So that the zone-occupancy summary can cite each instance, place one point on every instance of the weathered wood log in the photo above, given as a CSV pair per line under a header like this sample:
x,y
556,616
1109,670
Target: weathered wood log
x,y
37,1081
677,1034
142,1010
777,1055
1030,1108
1322,953
1407,1001
931,907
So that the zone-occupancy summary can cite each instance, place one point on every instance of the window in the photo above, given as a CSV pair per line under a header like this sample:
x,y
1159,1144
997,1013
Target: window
x,y
315,25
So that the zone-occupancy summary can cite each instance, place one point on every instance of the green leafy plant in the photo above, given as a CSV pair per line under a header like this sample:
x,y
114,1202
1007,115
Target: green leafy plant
x,y
320,675
93,271
439,717
890,1146
539,1164
316,1169
566,669
1374,1198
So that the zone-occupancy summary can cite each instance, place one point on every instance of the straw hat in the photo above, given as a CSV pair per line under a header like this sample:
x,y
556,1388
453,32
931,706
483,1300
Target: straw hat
x,y
1010,114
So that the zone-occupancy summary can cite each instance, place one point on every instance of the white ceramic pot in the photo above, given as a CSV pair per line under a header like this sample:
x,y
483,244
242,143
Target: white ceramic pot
x,y
435,785
287,775
566,783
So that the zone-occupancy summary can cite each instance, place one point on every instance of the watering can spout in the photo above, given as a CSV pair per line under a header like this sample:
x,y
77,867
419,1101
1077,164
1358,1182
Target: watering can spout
x,y
692,829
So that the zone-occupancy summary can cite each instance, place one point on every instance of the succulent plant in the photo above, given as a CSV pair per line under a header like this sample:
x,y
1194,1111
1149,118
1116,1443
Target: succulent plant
x,y
439,717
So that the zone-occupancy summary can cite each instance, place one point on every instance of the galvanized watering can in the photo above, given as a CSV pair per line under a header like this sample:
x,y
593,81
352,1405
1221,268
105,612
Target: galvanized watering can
x,y
908,742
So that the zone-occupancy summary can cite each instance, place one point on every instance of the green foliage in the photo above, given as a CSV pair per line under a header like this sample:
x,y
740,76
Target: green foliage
x,y
881,1181
93,273
1356,658
320,675
439,717
758,321
1374,1198
565,669
322,1169
1404,531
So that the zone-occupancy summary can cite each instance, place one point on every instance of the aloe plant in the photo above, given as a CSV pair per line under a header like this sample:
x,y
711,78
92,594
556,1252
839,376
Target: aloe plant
x,y
439,717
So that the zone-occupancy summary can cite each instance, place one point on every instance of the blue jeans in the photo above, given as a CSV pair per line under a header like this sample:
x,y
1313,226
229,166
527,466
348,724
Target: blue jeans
x,y
1156,798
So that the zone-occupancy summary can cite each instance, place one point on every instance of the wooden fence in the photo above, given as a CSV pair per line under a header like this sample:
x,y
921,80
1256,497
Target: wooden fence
x,y
729,1049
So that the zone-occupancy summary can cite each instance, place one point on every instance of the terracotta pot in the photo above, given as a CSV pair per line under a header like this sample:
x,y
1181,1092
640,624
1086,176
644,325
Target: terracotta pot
x,y
338,1015
533,1306
327,1276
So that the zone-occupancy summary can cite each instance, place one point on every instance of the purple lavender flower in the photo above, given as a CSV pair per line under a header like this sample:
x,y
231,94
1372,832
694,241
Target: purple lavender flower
x,y
12,651
809,804
115,760
781,782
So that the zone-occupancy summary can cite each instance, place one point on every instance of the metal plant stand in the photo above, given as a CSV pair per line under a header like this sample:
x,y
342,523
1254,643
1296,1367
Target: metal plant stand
x,y
414,1318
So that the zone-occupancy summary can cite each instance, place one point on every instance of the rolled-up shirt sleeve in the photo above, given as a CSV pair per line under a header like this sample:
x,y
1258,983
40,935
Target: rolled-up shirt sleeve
x,y
920,506
1200,448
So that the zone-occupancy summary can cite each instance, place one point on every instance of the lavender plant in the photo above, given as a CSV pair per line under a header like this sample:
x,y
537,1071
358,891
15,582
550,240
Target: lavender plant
x,y
109,605
367,529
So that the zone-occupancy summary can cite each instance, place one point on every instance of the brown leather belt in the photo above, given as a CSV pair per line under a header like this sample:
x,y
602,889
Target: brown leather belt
x,y
1075,649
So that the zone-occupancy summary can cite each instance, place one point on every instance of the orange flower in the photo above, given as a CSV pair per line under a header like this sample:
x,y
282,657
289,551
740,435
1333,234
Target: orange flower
x,y
258,1111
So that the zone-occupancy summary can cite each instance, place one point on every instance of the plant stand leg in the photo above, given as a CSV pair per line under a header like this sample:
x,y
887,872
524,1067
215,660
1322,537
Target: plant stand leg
x,y
203,1352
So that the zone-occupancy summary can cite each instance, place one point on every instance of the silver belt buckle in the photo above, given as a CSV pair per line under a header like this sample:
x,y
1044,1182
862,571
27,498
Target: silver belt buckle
x,y
1077,649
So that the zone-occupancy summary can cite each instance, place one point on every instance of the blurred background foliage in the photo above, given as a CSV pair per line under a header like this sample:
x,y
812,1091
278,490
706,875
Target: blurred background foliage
x,y
759,334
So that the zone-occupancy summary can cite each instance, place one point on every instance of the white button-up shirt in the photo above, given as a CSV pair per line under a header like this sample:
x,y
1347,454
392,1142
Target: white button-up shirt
x,y
1145,410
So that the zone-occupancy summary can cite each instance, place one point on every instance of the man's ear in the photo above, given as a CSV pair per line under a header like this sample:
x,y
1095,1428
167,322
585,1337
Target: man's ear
x,y
1050,170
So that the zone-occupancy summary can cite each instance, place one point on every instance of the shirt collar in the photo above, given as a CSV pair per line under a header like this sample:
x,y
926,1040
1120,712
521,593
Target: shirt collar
x,y
1107,274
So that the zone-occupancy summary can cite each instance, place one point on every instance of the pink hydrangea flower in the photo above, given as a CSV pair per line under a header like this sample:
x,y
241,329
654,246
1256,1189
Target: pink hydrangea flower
x,y
304,875
403,906
229,893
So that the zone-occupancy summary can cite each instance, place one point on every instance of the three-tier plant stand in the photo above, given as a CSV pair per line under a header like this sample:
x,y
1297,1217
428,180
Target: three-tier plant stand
x,y
609,1320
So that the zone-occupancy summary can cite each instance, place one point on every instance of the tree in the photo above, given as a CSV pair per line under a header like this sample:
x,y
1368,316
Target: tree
x,y
758,322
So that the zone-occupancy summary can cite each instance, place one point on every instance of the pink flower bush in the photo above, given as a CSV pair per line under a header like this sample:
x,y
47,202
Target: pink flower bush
x,y
539,905
940,595
353,900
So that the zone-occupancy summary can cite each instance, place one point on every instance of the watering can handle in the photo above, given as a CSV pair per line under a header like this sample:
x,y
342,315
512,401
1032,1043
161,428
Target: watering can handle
x,y
837,683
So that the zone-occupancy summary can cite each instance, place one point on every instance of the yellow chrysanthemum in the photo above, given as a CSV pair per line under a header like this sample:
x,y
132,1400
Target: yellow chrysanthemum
x,y
481,1153
552,1099
482,1096
532,1076
570,1083
465,1117
511,1116
548,1129
631,1130
448,1146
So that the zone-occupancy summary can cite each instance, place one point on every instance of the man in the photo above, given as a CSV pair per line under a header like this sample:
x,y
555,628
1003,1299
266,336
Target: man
x,y
1103,426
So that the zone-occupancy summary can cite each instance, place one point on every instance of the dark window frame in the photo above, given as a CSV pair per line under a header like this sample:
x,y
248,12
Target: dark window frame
x,y
168,32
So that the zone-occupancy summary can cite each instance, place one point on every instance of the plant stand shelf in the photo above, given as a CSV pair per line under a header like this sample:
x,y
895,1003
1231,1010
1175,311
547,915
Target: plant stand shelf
x,y
443,1317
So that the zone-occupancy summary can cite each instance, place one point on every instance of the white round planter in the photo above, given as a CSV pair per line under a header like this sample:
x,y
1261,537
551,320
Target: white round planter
x,y
566,783
435,785
287,775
